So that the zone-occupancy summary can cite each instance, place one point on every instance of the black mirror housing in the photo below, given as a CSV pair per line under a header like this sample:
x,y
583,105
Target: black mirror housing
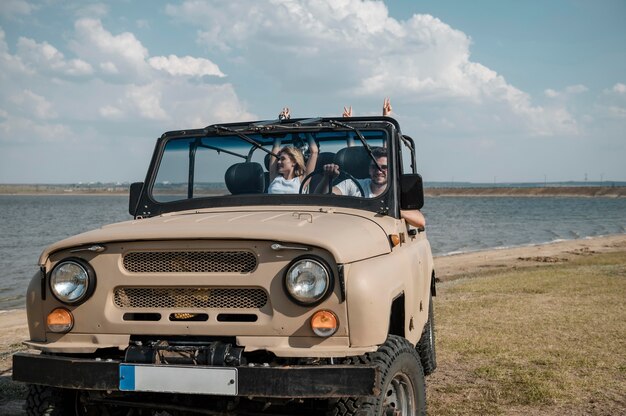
x,y
135,193
411,191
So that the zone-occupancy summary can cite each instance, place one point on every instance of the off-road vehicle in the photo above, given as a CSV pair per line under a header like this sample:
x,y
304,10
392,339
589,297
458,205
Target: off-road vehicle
x,y
219,298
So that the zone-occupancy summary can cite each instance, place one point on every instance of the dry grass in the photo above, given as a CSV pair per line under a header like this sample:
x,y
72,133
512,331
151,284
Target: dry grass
x,y
547,340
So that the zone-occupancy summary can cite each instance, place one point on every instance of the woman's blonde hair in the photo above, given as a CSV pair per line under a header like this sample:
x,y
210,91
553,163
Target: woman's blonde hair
x,y
296,158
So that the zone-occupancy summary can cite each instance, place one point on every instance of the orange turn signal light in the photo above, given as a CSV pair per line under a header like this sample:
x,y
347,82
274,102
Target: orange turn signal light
x,y
60,320
395,239
324,323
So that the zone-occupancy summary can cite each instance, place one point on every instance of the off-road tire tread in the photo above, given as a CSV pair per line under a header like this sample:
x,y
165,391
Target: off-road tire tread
x,y
45,401
426,348
384,357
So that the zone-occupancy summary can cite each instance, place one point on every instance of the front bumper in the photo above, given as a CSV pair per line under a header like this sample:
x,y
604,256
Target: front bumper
x,y
285,382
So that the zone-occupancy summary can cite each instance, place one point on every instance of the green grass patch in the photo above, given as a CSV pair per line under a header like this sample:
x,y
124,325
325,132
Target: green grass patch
x,y
537,340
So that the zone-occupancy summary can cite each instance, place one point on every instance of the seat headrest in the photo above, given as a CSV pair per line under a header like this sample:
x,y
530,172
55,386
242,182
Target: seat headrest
x,y
324,158
266,161
245,178
354,160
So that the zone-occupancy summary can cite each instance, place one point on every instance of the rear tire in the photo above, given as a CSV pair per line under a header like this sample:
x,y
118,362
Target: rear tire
x,y
426,345
402,387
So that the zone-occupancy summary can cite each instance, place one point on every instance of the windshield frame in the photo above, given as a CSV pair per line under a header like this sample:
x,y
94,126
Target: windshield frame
x,y
386,204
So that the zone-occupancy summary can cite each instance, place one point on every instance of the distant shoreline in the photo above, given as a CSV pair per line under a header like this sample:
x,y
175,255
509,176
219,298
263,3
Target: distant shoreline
x,y
547,191
495,191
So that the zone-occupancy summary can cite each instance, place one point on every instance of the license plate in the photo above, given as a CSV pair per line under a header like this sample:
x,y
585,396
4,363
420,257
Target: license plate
x,y
178,379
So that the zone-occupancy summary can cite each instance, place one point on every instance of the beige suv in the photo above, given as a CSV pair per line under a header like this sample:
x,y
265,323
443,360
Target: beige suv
x,y
221,298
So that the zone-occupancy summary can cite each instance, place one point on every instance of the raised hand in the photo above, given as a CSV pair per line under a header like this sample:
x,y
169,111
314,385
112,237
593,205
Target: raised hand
x,y
285,114
387,107
347,112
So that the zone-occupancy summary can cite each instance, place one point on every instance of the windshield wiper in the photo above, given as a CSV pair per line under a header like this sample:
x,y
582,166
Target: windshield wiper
x,y
361,138
244,138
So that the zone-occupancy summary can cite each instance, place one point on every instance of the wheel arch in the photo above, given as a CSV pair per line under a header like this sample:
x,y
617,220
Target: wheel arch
x,y
371,301
397,316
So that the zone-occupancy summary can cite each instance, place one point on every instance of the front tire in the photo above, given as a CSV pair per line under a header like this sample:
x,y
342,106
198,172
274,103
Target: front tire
x,y
52,401
402,388
47,401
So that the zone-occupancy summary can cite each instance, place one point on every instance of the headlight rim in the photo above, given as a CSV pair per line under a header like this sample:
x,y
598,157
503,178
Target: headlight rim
x,y
91,280
329,271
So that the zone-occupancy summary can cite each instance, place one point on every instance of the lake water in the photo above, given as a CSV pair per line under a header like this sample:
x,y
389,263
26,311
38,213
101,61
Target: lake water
x,y
454,224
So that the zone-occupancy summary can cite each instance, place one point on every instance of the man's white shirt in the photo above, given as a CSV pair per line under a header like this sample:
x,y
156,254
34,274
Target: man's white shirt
x,y
349,188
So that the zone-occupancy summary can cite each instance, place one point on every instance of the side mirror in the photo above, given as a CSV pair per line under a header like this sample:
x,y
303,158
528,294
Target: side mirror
x,y
411,191
135,192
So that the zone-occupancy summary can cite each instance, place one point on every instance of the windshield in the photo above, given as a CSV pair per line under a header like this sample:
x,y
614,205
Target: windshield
x,y
228,164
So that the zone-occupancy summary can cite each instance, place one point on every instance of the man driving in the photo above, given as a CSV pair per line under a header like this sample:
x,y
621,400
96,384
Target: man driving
x,y
372,186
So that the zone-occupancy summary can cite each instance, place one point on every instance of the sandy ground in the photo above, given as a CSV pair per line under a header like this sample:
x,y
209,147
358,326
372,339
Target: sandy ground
x,y
13,326
468,264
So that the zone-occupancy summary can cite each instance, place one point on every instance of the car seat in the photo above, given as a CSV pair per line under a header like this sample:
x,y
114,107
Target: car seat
x,y
354,160
245,178
266,174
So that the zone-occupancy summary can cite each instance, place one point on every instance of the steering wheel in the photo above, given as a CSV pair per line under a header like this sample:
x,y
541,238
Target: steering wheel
x,y
330,183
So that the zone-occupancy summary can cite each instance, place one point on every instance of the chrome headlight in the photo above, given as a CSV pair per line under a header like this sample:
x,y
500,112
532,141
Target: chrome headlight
x,y
308,281
72,281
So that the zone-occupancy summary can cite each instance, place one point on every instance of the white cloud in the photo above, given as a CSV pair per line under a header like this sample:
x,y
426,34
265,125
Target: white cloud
x,y
567,91
576,89
95,44
24,130
45,57
142,24
92,10
11,8
109,68
551,93
123,86
619,88
187,65
617,112
552,121
147,100
110,112
350,43
354,48
10,63
200,105
32,103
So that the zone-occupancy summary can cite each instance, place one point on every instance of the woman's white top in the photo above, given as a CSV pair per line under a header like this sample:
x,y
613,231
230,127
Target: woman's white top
x,y
281,185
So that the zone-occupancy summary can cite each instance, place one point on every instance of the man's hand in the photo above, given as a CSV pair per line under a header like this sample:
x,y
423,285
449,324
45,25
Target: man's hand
x,y
331,170
347,112
285,114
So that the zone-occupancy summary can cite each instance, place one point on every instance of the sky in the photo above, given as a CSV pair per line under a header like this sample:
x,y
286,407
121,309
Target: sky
x,y
491,90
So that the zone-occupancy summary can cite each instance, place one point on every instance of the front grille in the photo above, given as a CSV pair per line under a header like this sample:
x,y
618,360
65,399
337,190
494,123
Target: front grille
x,y
152,297
190,262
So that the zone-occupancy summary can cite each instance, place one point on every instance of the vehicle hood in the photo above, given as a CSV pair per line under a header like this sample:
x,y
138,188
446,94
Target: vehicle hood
x,y
349,235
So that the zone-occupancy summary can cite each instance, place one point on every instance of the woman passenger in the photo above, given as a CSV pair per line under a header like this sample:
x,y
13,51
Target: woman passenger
x,y
289,169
